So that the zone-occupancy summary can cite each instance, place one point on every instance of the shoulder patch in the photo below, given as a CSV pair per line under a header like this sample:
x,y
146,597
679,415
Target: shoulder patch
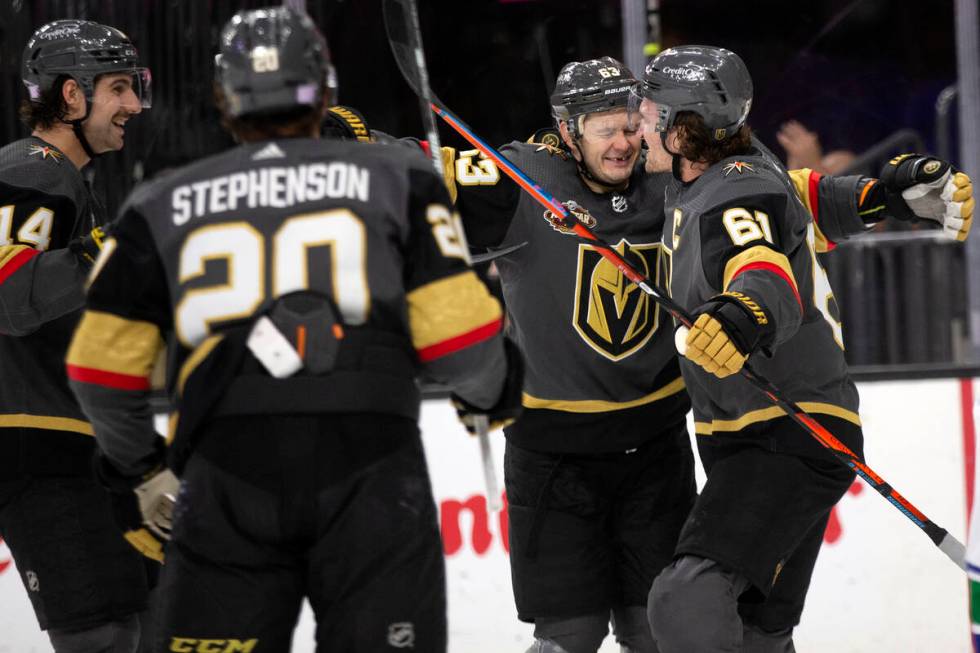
x,y
737,166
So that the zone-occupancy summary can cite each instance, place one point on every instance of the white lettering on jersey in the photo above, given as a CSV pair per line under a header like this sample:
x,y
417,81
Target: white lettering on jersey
x,y
276,187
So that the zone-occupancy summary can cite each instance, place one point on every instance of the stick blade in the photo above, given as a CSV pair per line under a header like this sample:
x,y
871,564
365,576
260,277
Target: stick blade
x,y
954,549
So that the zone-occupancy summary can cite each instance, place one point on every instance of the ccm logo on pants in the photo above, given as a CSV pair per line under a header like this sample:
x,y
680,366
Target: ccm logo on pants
x,y
191,645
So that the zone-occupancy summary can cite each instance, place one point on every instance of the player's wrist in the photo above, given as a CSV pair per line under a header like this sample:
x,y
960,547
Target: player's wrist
x,y
747,323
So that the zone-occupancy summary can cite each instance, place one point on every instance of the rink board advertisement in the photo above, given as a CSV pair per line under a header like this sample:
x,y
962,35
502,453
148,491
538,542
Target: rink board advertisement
x,y
880,583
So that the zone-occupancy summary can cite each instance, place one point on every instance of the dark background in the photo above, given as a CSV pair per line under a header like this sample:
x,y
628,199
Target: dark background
x,y
854,71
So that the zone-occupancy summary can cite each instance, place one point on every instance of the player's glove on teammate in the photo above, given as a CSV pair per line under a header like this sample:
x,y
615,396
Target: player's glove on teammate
x,y
87,247
726,330
924,187
142,506
508,406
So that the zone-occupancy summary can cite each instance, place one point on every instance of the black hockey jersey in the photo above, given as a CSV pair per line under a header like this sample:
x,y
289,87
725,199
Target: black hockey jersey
x,y
44,204
601,371
200,250
741,227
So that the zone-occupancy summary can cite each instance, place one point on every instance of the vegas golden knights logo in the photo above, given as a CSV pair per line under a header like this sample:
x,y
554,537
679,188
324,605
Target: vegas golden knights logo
x,y
612,314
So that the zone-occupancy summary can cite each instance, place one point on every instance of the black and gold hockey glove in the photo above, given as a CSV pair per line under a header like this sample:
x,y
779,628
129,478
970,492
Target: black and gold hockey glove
x,y
87,247
508,407
727,329
142,506
346,124
924,187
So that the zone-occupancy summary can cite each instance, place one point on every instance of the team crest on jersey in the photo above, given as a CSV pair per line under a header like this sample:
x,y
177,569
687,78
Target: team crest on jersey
x,y
45,151
612,314
551,145
580,212
737,166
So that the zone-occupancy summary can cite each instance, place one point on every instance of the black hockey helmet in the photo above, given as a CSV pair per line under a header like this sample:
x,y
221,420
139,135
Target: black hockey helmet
x,y
82,50
712,82
585,87
272,60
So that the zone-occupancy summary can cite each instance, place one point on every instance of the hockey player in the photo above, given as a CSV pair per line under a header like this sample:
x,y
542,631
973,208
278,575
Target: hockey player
x,y
304,283
743,256
598,468
85,583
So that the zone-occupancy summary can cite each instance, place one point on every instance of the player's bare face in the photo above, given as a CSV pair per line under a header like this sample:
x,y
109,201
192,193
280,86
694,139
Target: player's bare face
x,y
609,148
658,159
114,102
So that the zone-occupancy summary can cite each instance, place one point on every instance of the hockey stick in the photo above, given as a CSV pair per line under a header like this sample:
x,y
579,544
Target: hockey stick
x,y
493,254
944,540
402,19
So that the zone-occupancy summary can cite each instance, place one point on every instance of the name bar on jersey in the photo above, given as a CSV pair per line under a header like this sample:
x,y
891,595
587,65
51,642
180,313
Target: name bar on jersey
x,y
276,187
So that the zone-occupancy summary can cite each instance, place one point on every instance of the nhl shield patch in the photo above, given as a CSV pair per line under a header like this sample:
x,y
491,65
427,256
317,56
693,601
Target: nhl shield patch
x,y
612,314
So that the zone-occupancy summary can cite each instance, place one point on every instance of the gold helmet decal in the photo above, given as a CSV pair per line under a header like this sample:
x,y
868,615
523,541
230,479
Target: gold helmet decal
x,y
612,314
580,212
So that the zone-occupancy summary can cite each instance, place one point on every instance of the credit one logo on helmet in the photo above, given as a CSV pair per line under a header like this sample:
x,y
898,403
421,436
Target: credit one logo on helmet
x,y
688,73
612,315
60,33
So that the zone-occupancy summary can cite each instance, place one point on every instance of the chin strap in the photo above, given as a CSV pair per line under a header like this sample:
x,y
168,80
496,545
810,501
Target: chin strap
x,y
675,166
76,126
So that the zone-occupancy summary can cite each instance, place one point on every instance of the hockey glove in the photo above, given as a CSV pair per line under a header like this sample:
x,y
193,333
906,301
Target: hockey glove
x,y
508,407
728,328
924,187
346,124
87,247
142,506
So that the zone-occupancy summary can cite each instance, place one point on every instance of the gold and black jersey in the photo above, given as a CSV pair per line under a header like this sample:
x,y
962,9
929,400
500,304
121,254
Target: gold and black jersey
x,y
601,371
743,227
44,204
208,246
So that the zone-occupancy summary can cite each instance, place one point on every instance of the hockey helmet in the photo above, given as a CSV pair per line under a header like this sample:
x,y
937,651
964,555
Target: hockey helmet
x,y
272,60
83,50
712,82
585,87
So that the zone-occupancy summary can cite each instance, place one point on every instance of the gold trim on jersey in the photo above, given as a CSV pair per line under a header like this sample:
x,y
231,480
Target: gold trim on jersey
x,y
801,183
23,420
773,412
10,252
757,254
449,307
448,156
611,314
110,343
601,406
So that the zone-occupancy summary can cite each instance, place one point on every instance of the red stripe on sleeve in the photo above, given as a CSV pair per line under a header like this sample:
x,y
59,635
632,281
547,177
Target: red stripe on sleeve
x,y
814,193
108,379
15,263
425,148
462,341
771,267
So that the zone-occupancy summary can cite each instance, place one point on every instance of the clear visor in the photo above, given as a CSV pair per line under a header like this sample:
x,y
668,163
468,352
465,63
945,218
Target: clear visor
x,y
132,86
143,86
605,125
644,114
